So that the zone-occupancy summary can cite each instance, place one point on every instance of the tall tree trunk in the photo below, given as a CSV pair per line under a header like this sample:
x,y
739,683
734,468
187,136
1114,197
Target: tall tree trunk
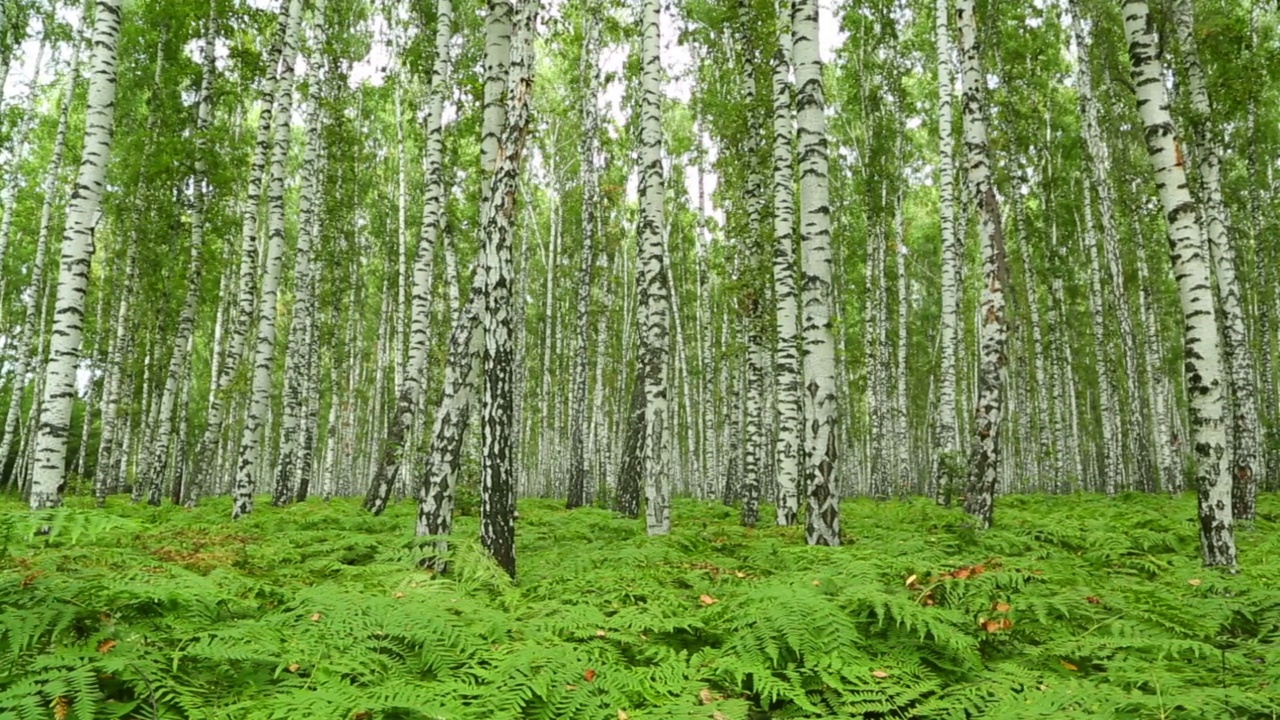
x,y
497,465
817,297
264,350
208,450
27,355
297,361
157,463
1112,462
408,405
787,354
984,458
1202,353
77,254
588,73
654,315
947,428
1205,144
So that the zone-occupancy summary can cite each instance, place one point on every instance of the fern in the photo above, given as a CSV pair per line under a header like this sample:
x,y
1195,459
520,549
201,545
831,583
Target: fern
x,y
1084,608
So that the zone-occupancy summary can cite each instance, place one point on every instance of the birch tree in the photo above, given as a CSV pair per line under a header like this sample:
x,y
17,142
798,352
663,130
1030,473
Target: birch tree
x,y
1201,349
984,458
83,214
823,519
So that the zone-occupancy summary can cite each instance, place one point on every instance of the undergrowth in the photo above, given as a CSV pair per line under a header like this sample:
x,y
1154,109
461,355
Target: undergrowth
x,y
1073,607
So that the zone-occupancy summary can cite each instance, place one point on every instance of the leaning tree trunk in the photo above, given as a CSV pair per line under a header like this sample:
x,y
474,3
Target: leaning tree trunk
x,y
264,351
1202,353
823,521
77,254
590,199
984,458
654,316
1205,144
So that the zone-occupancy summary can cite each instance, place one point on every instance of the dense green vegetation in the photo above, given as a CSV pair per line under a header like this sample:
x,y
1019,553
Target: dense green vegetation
x,y
1071,607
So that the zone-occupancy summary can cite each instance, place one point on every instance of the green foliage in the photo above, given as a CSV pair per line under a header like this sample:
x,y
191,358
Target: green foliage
x,y
1073,607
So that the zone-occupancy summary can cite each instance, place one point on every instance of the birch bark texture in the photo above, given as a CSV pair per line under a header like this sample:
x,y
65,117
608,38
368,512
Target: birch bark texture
x,y
984,457
1244,430
49,473
264,346
655,311
822,525
1202,354
409,403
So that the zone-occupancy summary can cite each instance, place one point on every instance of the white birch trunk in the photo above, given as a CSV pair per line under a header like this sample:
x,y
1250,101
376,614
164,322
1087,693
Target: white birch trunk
x,y
77,254
823,521
264,350
1202,354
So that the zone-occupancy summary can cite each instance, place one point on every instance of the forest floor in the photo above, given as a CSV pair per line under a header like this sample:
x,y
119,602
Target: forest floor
x,y
1072,607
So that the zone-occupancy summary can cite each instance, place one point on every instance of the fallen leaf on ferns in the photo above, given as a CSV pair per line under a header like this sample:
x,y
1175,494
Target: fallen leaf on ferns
x,y
911,581
570,688
1093,600
293,667
717,715
961,574
589,674
398,595
739,574
1194,582
61,708
708,600
622,715
991,626
315,617
879,674
601,633
1002,607
106,645
816,583
705,696
1068,665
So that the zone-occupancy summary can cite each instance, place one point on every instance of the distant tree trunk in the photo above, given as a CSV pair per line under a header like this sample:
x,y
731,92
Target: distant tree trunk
x,y
156,469
1243,429
264,351
631,472
588,72
823,520
77,254
409,403
984,459
207,452
1202,354
1112,456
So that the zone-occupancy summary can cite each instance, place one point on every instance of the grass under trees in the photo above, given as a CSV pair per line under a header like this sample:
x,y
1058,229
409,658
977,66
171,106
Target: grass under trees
x,y
1072,607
